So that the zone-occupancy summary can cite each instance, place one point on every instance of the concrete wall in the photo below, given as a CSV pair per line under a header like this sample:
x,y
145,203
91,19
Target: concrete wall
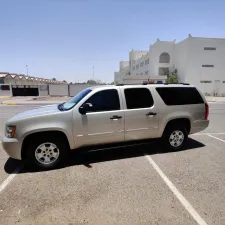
x,y
43,90
6,92
58,90
76,88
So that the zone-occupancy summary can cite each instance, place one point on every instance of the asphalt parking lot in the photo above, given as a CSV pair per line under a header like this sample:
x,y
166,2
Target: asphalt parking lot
x,y
131,185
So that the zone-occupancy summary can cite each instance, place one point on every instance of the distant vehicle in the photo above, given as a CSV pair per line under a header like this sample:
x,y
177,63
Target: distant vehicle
x,y
107,114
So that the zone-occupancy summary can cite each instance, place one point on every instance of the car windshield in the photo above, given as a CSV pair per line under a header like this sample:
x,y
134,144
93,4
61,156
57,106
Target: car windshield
x,y
73,101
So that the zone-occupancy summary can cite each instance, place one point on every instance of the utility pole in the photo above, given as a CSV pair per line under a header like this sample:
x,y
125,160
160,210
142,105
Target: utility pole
x,y
27,69
93,73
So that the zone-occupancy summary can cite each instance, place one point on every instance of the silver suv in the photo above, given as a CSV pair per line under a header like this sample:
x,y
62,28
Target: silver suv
x,y
107,114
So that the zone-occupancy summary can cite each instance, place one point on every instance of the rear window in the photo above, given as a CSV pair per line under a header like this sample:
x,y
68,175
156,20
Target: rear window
x,y
180,95
137,98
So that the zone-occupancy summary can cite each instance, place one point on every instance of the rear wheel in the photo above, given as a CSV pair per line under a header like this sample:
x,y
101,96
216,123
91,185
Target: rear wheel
x,y
175,137
47,152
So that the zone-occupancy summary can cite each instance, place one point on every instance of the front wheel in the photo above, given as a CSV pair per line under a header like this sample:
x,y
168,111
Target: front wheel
x,y
174,137
47,152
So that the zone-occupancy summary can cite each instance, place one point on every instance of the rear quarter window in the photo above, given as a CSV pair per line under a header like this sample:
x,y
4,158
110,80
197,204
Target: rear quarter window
x,y
180,95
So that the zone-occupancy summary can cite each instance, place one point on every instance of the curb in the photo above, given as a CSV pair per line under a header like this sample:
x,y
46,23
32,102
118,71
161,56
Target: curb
x,y
29,103
2,97
9,103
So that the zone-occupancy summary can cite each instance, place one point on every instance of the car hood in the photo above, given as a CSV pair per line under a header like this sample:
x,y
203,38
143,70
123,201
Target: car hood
x,y
45,110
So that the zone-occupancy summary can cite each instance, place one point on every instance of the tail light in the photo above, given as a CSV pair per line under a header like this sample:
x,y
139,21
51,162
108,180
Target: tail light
x,y
206,111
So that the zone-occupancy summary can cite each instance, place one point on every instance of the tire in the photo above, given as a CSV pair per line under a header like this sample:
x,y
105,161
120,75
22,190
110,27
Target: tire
x,y
47,152
174,137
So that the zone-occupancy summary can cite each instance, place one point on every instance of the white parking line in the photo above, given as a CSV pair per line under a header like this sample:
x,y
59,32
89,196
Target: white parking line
x,y
216,138
205,134
9,179
176,192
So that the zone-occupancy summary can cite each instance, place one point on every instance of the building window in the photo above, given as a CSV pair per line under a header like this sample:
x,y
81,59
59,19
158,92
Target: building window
x,y
205,81
142,64
163,70
207,65
146,61
146,72
209,48
5,87
224,81
133,67
141,74
164,58
137,66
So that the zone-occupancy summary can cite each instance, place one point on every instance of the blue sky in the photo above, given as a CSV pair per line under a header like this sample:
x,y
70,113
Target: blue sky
x,y
66,38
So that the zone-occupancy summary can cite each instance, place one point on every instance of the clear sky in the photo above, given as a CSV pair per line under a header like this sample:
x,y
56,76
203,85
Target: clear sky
x,y
66,38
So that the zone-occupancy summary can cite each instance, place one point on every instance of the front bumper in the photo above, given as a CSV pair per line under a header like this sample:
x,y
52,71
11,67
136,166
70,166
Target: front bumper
x,y
12,147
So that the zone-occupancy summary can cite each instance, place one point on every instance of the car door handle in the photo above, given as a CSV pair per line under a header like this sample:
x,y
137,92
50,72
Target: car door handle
x,y
151,114
115,117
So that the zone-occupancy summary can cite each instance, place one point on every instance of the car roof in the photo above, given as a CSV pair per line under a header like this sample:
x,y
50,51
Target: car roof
x,y
184,85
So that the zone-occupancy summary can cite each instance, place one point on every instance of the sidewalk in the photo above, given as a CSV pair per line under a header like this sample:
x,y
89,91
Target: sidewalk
x,y
215,99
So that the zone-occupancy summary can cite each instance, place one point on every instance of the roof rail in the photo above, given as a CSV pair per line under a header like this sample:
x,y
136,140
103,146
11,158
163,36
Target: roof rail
x,y
152,83
179,83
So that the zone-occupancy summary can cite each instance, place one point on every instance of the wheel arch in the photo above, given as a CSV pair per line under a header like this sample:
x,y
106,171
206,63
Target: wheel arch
x,y
29,137
181,121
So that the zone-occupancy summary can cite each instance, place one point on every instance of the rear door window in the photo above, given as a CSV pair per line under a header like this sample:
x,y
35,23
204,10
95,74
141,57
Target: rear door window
x,y
138,98
180,95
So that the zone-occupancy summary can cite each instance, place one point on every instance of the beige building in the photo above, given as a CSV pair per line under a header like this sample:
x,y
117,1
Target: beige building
x,y
21,79
20,85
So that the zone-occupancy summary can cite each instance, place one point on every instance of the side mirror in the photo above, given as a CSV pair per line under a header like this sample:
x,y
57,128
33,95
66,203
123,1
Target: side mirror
x,y
85,108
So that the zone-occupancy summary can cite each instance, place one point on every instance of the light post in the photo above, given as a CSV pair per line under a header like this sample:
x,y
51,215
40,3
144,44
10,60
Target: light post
x,y
27,69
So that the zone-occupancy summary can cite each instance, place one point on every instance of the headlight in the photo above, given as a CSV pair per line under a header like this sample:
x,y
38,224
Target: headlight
x,y
10,131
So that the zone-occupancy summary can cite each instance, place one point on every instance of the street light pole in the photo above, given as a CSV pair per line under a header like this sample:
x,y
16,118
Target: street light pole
x,y
93,73
27,69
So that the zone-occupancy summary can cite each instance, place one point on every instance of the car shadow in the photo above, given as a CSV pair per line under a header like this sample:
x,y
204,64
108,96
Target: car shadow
x,y
88,158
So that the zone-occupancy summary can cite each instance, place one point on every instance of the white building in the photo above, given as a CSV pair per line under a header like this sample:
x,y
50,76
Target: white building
x,y
199,61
